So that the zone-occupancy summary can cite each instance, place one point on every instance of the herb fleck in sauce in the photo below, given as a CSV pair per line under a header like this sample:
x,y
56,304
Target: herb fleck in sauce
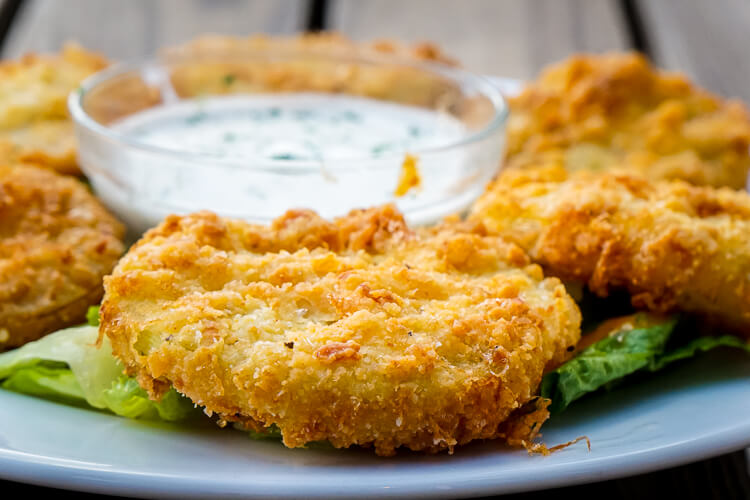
x,y
291,126
343,152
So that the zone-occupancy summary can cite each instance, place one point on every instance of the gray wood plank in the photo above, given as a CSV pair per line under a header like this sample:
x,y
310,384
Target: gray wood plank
x,y
503,37
706,40
134,29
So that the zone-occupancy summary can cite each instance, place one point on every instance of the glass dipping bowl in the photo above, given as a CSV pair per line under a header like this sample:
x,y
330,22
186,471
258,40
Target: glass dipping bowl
x,y
142,182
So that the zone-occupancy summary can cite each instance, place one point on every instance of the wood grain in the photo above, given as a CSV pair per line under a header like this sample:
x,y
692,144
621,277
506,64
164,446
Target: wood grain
x,y
134,29
708,41
501,37
514,38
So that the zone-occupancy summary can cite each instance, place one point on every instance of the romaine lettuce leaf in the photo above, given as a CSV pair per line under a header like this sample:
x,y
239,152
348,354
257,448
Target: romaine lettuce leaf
x,y
639,345
701,344
67,366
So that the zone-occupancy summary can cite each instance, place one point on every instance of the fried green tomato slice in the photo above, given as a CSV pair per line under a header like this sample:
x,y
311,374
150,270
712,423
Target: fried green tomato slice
x,y
598,112
359,331
56,244
673,246
35,127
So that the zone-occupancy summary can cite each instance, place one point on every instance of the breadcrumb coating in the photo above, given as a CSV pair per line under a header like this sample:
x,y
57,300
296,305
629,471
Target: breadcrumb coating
x,y
56,244
671,245
596,112
325,42
295,67
34,123
359,331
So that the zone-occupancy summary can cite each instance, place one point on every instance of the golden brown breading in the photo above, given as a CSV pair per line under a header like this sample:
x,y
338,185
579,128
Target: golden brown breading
x,y
358,331
324,42
56,244
34,123
297,69
673,246
615,110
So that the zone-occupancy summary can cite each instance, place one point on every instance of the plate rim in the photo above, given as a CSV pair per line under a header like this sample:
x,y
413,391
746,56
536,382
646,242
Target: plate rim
x,y
54,472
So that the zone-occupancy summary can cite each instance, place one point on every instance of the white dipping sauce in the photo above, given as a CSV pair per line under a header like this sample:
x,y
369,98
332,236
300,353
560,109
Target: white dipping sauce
x,y
230,140
302,126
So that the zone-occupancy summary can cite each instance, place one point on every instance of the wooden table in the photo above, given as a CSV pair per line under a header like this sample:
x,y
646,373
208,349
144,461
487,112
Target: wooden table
x,y
512,38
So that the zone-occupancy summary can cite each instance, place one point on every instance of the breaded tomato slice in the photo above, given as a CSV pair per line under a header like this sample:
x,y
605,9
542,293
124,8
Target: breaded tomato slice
x,y
56,244
359,331
219,64
594,112
34,123
671,245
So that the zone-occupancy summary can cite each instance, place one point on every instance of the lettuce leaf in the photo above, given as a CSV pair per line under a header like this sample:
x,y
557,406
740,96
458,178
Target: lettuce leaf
x,y
610,359
126,398
272,433
641,345
701,344
67,366
92,316
46,380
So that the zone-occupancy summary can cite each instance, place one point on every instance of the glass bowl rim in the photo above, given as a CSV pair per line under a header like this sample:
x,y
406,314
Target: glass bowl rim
x,y
481,83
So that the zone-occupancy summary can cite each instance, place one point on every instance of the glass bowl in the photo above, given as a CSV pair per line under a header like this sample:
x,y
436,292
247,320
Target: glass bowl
x,y
225,131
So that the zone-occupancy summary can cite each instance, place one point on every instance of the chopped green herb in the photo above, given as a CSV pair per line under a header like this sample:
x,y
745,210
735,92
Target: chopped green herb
x,y
381,148
196,118
229,79
351,116
285,156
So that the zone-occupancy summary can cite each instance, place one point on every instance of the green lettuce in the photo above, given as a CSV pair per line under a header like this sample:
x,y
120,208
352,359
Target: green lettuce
x,y
128,399
68,367
46,380
273,433
92,316
695,346
644,345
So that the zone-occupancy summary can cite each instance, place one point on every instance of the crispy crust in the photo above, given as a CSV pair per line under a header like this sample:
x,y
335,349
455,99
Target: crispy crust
x,y
326,42
56,244
613,111
301,71
673,246
358,331
34,123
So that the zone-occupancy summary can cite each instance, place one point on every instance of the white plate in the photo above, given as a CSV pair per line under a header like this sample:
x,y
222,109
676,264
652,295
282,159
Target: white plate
x,y
690,412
